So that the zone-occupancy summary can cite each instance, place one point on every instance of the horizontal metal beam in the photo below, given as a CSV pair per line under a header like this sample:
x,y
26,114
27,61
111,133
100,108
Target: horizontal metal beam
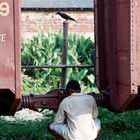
x,y
56,66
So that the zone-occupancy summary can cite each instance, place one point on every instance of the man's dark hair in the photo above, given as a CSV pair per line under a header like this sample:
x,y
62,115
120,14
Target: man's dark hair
x,y
73,84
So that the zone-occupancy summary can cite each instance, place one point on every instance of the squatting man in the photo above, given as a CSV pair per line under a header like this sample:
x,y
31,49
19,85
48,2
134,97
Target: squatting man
x,y
76,118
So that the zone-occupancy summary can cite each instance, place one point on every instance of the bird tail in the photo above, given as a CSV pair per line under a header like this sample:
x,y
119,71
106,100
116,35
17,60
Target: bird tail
x,y
74,20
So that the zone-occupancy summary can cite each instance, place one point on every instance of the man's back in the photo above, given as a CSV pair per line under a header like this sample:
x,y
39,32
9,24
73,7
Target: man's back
x,y
80,110
75,118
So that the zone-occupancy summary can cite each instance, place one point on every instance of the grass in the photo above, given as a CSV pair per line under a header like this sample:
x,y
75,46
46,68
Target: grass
x,y
26,130
123,126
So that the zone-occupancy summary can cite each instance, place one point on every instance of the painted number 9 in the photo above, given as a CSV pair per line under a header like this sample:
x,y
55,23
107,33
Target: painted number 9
x,y
4,9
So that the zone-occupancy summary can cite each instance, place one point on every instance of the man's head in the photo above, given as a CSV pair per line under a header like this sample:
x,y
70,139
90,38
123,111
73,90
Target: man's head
x,y
73,87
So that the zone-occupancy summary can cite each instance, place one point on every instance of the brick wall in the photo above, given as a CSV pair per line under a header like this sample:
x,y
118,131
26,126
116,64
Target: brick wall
x,y
33,22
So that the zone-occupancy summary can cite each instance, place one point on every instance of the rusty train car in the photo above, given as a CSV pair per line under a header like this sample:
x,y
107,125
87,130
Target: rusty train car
x,y
117,27
10,65
118,51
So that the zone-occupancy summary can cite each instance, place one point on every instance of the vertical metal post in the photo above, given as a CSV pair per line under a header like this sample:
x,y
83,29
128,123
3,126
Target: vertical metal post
x,y
64,53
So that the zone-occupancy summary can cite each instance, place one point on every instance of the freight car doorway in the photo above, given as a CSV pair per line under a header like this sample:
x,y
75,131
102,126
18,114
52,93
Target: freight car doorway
x,y
77,61
81,52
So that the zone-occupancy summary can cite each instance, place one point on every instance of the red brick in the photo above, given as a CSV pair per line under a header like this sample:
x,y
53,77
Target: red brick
x,y
34,21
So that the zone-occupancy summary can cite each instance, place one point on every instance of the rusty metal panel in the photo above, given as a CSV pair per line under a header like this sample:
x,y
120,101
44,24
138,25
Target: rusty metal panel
x,y
118,50
136,7
10,71
101,79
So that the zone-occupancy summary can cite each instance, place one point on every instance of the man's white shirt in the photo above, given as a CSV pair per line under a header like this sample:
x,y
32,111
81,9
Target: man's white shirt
x,y
80,112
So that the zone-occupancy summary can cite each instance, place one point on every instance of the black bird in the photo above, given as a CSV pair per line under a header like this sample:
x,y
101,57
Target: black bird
x,y
65,16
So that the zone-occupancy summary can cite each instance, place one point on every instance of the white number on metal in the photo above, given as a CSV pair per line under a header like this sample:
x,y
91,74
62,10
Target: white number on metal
x,y
4,9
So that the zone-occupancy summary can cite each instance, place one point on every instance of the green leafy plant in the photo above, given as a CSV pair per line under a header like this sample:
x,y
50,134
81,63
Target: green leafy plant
x,y
45,49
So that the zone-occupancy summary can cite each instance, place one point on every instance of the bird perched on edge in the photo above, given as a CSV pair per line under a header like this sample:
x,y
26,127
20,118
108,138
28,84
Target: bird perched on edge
x,y
65,16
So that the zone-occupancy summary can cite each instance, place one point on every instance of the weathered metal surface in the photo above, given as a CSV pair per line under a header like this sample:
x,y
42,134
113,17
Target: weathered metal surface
x,y
136,6
52,99
10,82
101,78
117,47
57,66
